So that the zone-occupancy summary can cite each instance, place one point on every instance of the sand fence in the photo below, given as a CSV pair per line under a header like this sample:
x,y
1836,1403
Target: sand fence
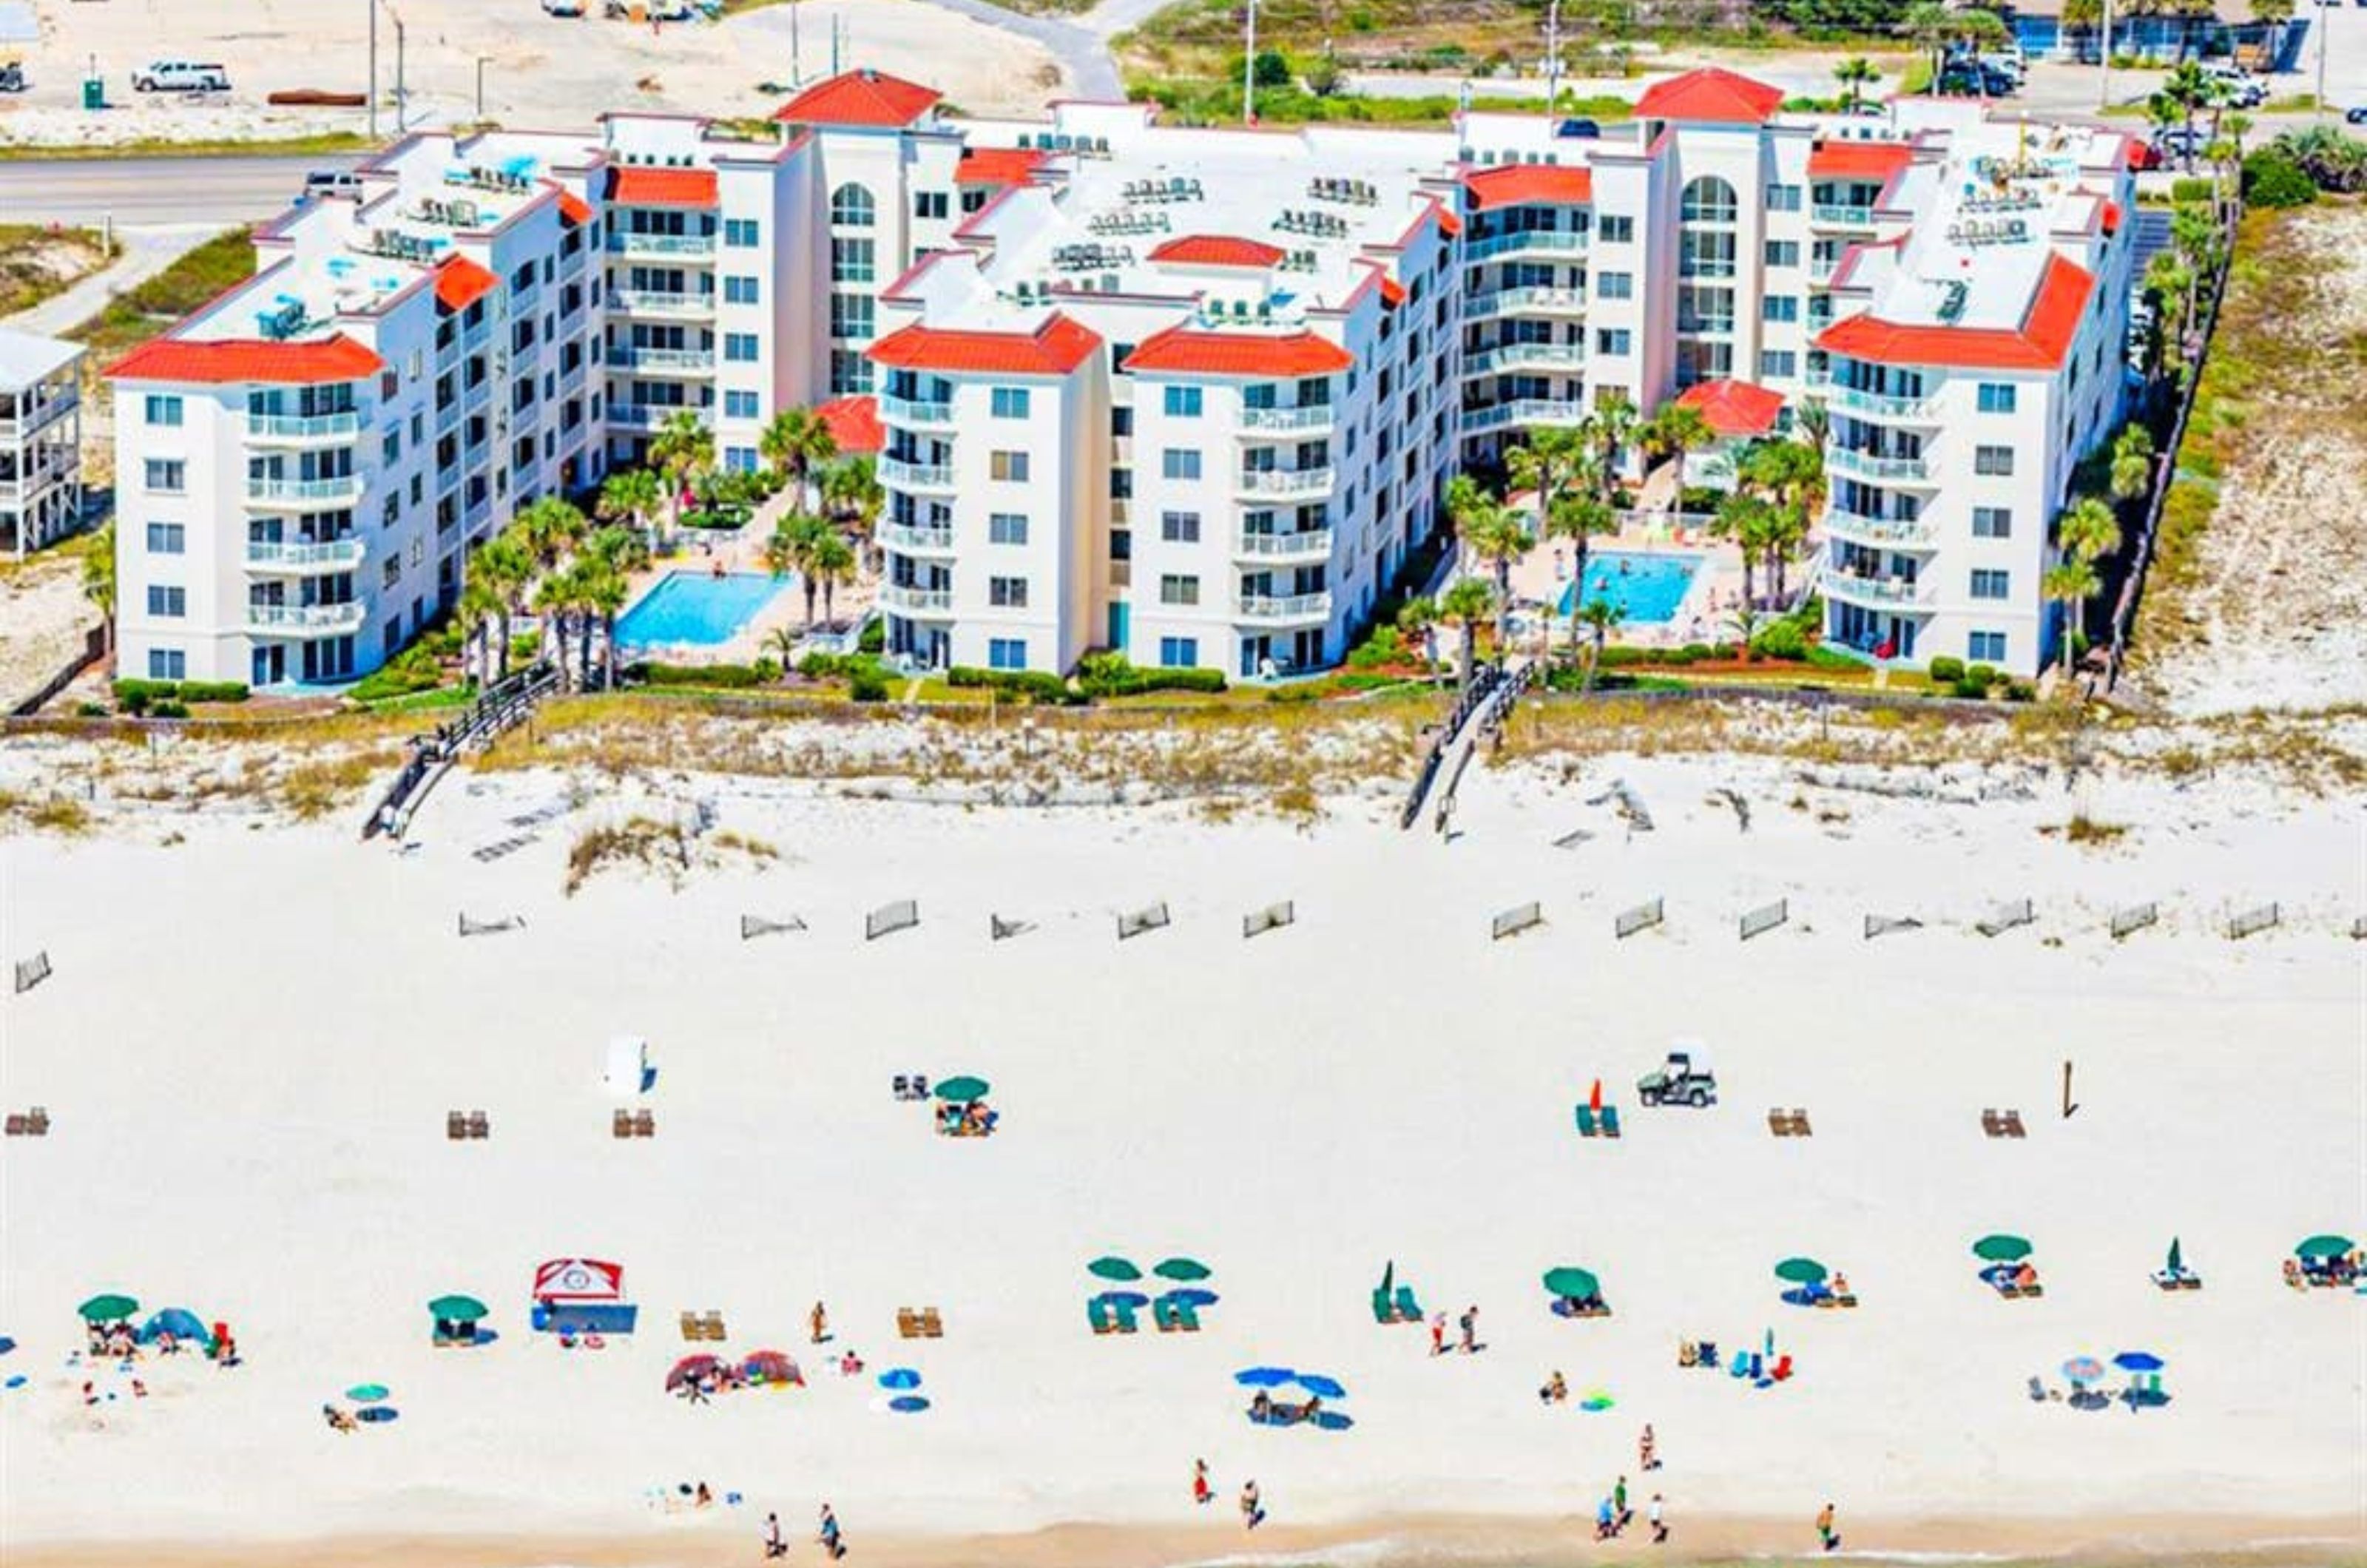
x,y
2005,917
31,972
2135,918
2252,922
471,926
753,926
1764,918
1888,925
1643,916
901,915
1273,917
1516,920
1150,917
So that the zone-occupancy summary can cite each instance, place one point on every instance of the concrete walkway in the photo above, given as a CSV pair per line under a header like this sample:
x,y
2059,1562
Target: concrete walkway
x,y
146,252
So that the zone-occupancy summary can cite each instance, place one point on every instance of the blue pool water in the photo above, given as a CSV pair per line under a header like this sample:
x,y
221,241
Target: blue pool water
x,y
1648,589
696,608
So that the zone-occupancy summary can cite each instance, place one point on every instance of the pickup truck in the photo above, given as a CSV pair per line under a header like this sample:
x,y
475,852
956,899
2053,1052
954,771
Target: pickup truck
x,y
180,77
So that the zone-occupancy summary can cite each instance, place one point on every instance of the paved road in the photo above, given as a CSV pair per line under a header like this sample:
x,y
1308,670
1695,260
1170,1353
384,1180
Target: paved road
x,y
1079,49
221,191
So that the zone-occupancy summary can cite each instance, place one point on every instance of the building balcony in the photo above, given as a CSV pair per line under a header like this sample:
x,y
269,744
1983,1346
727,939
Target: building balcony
x,y
1886,591
474,399
1705,267
666,304
477,334
301,430
908,538
306,620
1305,417
1523,412
1285,481
1705,326
1295,607
1567,359
1527,302
1908,533
1312,543
661,361
1881,470
917,601
912,411
17,426
626,243
648,416
1834,215
900,474
1547,242
298,559
1884,405
38,477
343,491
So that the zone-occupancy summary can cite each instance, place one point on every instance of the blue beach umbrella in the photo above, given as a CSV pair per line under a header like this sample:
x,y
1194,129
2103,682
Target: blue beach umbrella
x,y
1191,1297
6,1344
1321,1386
907,1404
2138,1361
1124,1298
1264,1377
899,1377
178,1322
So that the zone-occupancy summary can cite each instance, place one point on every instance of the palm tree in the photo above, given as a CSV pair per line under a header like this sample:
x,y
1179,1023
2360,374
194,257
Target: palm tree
x,y
480,606
1855,74
2085,15
2188,90
851,492
1600,616
504,566
796,443
2171,283
1465,603
792,549
1578,519
1675,430
615,553
555,601
1929,23
1610,427
550,527
2088,530
2069,583
782,644
631,496
1497,534
1749,521
99,581
1419,617
831,561
682,448
2195,238
2132,462
780,550
1791,474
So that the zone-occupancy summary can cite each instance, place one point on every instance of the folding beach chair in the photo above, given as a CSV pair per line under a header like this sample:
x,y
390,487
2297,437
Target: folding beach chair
x,y
1586,1128
623,1124
1610,1121
1800,1128
480,1124
645,1123
455,1125
1097,1312
1409,1309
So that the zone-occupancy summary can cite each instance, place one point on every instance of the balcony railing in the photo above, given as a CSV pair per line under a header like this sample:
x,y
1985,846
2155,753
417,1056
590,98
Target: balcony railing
x,y
1849,524
906,475
1840,584
648,416
1867,465
1842,216
1882,405
920,601
1306,416
264,428
661,302
333,555
1523,410
633,356
1285,481
1560,241
1538,300
25,422
626,243
1303,542
1513,356
302,620
1705,267
911,538
1296,607
914,410
344,488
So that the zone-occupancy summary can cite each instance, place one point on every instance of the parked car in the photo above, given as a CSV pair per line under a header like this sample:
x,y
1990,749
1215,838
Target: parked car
x,y
2237,86
330,182
2355,116
2176,142
562,7
180,77
12,77
1964,78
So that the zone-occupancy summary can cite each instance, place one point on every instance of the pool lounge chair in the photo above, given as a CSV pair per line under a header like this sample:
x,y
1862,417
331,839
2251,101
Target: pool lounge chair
x,y
1126,1321
1187,1318
1586,1128
1800,1128
1610,1121
1164,1315
2183,1279
1097,1312
1409,1310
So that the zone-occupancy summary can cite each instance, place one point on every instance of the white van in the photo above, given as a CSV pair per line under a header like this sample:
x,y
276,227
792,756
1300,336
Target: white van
x,y
180,77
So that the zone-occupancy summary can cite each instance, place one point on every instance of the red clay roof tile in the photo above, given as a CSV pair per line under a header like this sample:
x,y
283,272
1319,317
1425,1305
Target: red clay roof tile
x,y
1710,96
860,98
1055,347
635,184
2038,343
1188,351
461,283
1218,249
1734,408
220,360
853,424
1530,185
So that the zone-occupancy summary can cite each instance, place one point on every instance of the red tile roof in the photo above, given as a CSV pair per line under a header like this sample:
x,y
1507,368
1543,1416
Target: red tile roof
x,y
1218,249
1710,96
338,358
1393,293
853,424
573,208
2112,218
461,283
1875,162
1238,354
1530,185
2038,343
997,166
1734,408
861,97
1055,347
634,185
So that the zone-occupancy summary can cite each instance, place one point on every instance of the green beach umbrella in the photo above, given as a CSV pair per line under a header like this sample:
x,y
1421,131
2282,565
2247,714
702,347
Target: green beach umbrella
x,y
456,1309
1183,1270
367,1393
1800,1272
2322,1247
1117,1269
108,1308
2176,1259
1574,1283
962,1089
2002,1249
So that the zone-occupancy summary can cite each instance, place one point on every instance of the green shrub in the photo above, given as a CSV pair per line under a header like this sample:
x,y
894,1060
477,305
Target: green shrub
x,y
727,676
2194,187
213,691
2272,179
1036,685
166,708
1613,658
1823,658
867,686
413,670
1981,675
1946,672
1977,690
133,696
90,710
1695,653
1386,645
1781,641
2019,691
874,639
1110,676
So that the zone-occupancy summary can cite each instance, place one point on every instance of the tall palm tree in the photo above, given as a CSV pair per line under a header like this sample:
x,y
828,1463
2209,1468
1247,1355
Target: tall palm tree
x,y
631,496
99,581
1578,518
480,606
1418,617
1749,521
1610,427
1675,430
1468,602
615,553
829,561
555,601
780,550
2088,530
2132,462
1498,536
796,443
851,492
782,644
795,539
2085,15
503,564
2071,583
1791,474
1601,616
682,449
550,527
1855,74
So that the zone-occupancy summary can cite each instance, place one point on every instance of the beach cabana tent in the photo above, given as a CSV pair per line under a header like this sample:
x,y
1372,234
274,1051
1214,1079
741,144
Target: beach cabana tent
x,y
579,1279
628,1065
180,1323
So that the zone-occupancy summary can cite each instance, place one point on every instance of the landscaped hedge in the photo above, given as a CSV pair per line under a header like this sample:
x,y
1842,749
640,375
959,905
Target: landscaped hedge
x,y
727,676
136,696
1036,685
413,670
1111,676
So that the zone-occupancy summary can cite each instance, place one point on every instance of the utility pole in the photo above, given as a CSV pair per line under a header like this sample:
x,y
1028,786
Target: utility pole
x,y
834,66
1553,54
371,6
796,55
1249,63
400,103
2318,25
2104,60
481,89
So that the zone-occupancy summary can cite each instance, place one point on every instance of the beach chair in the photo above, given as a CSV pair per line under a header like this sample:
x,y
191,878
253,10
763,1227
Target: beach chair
x,y
1800,1128
1409,1310
1097,1312
1610,1121
1586,1128
1781,1369
1126,1321
1779,1124
715,1325
920,1086
692,1328
1187,1318
645,1123
908,1323
1742,1367
2011,1122
455,1125
931,1325
16,1125
1708,1354
903,1087
1990,1124
480,1124
1164,1315
622,1124
1383,1310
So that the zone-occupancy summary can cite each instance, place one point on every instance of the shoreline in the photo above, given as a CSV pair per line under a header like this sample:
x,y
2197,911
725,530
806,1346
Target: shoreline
x,y
1477,1541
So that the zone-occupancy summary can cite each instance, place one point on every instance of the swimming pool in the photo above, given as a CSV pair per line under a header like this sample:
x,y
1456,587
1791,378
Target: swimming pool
x,y
696,609
1648,589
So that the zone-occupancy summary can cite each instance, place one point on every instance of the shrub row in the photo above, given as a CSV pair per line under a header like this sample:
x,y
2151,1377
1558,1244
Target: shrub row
x,y
726,676
1036,685
1111,676
413,670
138,696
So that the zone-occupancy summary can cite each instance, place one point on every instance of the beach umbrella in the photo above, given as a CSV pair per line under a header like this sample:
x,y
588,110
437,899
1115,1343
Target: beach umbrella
x,y
1112,1268
2314,1247
2138,1361
367,1393
1390,1277
1193,1298
899,1378
456,1309
1800,1272
6,1344
907,1404
1264,1377
689,1370
2177,1258
108,1308
1183,1269
1573,1282
1768,1346
2083,1369
962,1089
2002,1249
1124,1298
178,1322
770,1366
1321,1387
1594,1098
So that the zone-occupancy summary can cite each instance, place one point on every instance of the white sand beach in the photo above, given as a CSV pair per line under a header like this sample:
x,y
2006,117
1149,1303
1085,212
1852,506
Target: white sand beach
x,y
254,1033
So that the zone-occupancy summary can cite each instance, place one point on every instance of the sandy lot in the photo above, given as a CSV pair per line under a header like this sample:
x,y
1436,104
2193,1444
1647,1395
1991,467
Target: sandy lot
x,y
42,619
539,71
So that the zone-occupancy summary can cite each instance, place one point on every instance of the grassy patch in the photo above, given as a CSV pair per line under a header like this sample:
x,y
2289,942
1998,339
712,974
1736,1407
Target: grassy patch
x,y
39,263
2085,830
1217,100
161,147
138,314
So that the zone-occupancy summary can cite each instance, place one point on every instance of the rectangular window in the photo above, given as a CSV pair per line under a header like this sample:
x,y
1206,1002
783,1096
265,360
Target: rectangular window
x,y
851,261
1780,307
1996,397
1993,459
1179,653
1782,253
1007,402
168,664
1992,523
169,603
739,348
1180,463
851,315
1176,588
1985,648
738,291
1007,593
1613,341
1006,653
1989,584
1614,284
739,233
740,460
929,204
1616,231
1182,403
1006,528
1180,527
167,475
164,410
1782,199
390,448
1778,363
167,539
1009,465
740,405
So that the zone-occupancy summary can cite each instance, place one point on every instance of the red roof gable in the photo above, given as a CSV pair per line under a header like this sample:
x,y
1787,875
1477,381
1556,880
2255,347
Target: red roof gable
x,y
573,208
1872,161
1530,185
861,97
461,283
2039,343
1218,249
634,185
338,358
2112,218
1055,347
1393,293
1734,408
853,424
1710,96
997,166
1198,353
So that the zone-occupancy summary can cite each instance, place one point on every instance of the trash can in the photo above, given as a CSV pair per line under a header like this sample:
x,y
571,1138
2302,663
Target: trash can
x,y
93,93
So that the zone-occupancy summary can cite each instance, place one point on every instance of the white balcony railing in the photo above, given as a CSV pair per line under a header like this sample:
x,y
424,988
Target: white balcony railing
x,y
633,356
918,601
649,416
1838,584
346,487
1847,525
914,410
661,303
264,429
1516,357
626,243
1866,466
1536,300
302,620
1285,481
331,555
1883,405
1295,607
1521,411
1308,542
1306,416
1838,215
903,475
1559,242
910,538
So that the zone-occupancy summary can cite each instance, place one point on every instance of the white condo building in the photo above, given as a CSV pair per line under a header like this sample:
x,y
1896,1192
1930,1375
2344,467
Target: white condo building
x,y
40,441
1187,393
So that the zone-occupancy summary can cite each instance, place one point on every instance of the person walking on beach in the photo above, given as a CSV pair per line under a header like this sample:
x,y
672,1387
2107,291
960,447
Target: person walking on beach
x,y
1438,1334
1253,1506
1648,1449
1619,1501
774,1545
1660,1526
1200,1493
833,1544
819,1322
1470,1325
1825,1531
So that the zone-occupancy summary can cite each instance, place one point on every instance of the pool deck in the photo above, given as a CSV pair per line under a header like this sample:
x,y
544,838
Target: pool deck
x,y
741,550
1539,578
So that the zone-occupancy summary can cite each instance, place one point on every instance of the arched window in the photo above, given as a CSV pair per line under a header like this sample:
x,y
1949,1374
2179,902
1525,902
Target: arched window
x,y
851,206
1708,200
